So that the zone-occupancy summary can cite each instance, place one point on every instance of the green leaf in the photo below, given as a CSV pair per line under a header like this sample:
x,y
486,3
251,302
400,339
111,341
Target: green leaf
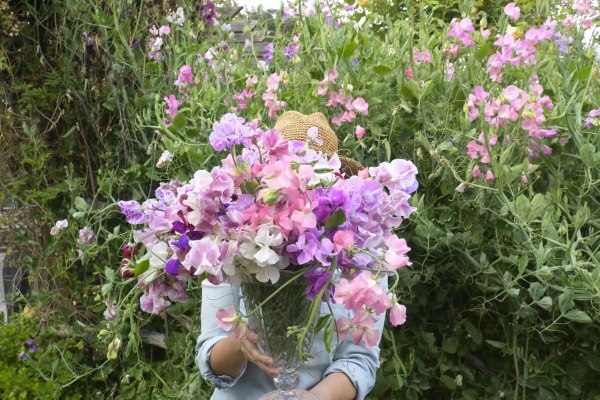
x,y
450,345
473,332
496,344
249,187
578,316
180,121
536,291
335,219
80,204
110,104
141,267
382,69
327,335
565,301
347,50
588,154
106,289
448,382
545,302
321,322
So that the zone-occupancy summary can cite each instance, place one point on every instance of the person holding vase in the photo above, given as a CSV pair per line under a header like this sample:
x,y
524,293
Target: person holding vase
x,y
233,362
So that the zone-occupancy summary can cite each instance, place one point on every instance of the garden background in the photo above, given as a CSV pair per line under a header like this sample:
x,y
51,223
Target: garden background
x,y
498,109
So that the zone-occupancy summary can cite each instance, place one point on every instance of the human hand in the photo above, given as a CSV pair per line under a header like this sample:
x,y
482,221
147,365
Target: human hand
x,y
249,347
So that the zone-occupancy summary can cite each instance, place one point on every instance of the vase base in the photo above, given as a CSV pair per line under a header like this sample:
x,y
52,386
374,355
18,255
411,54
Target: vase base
x,y
301,394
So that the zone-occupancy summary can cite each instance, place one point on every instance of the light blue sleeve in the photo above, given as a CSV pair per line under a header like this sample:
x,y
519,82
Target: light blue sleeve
x,y
359,363
213,298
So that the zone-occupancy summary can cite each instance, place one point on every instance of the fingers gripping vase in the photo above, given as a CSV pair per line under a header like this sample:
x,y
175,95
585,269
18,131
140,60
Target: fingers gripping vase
x,y
288,308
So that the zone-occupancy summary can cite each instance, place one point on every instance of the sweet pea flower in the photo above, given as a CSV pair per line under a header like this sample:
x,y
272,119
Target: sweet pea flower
x,y
422,57
512,11
360,132
86,235
227,319
165,157
397,314
172,105
59,226
396,253
343,240
164,30
476,172
489,176
360,105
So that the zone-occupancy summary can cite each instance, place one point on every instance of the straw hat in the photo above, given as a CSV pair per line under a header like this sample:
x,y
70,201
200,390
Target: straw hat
x,y
294,126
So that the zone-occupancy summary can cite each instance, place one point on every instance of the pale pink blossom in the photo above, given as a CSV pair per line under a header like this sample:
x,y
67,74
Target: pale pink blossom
x,y
360,132
227,319
164,30
397,314
512,11
489,175
342,240
360,105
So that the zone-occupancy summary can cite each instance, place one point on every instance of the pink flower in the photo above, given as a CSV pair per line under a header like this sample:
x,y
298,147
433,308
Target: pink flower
x,y
568,22
337,121
422,57
489,175
408,74
172,105
451,50
185,75
342,240
360,132
396,253
485,33
366,333
360,105
398,314
251,81
227,319
512,11
153,31
164,30
524,179
476,173
343,325
586,23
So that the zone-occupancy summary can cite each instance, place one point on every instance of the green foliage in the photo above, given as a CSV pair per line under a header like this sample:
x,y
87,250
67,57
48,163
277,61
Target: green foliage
x,y
503,296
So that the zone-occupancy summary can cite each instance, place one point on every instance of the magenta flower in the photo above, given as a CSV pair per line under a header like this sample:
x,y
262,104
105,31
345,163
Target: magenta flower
x,y
422,57
172,105
512,11
461,31
185,77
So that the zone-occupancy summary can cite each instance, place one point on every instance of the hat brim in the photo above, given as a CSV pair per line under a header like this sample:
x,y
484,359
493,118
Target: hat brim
x,y
350,167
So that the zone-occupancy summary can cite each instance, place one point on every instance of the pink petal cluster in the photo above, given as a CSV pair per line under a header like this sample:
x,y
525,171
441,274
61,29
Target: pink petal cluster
x,y
461,30
512,11
422,57
185,78
270,96
341,99
172,106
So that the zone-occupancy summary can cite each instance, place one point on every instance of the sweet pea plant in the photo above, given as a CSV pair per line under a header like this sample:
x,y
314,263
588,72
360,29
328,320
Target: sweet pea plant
x,y
277,205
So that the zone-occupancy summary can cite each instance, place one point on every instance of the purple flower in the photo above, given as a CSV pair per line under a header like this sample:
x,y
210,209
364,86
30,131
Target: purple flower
x,y
135,42
34,348
290,50
268,56
230,131
208,13
111,310
317,278
22,356
86,235
355,61
172,266
87,38
133,211
31,341
303,251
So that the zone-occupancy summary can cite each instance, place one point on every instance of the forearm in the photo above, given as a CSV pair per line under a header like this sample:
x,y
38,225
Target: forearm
x,y
335,386
226,357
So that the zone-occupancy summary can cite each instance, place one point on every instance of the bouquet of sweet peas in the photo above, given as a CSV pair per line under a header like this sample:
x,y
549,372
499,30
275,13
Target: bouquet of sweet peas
x,y
273,205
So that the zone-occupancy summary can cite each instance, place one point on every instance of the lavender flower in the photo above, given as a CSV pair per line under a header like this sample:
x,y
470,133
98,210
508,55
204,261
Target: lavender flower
x,y
87,38
290,50
133,211
268,56
111,310
86,235
317,278
230,131
208,13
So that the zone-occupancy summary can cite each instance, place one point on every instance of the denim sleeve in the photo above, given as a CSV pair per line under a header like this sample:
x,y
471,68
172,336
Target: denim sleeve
x,y
213,298
359,363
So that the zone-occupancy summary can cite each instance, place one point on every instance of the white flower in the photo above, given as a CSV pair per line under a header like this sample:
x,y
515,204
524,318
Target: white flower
x,y
59,226
265,262
165,157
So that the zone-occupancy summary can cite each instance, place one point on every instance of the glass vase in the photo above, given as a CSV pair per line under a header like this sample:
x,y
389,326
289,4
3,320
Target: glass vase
x,y
288,308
